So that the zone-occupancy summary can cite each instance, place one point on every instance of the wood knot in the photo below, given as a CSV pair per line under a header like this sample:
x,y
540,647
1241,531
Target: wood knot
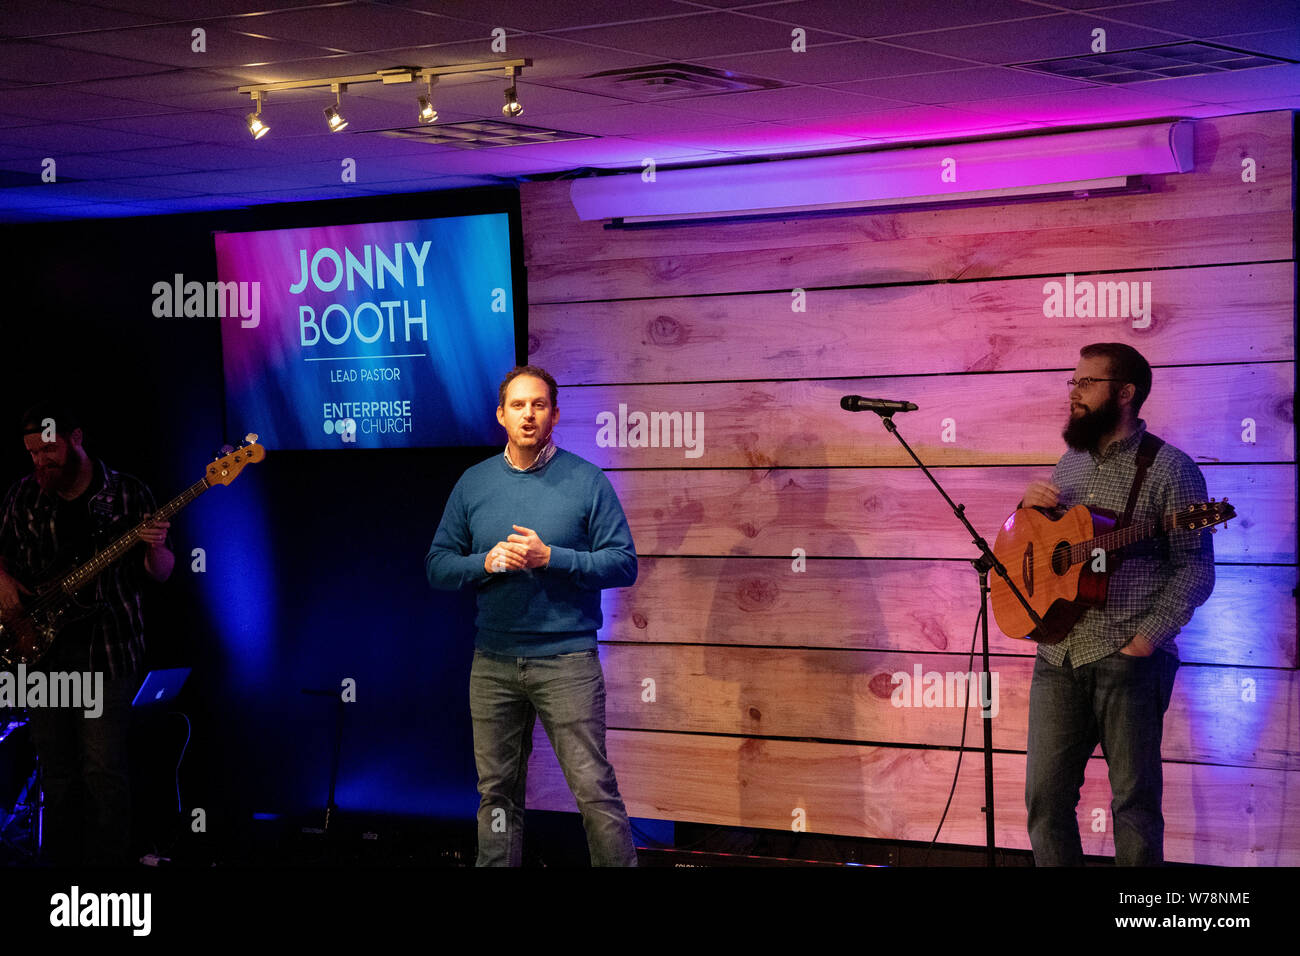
x,y
882,686
638,620
534,343
757,594
755,713
665,330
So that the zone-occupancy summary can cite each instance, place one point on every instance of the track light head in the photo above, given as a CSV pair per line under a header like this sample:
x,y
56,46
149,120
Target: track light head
x,y
513,107
335,119
427,113
256,127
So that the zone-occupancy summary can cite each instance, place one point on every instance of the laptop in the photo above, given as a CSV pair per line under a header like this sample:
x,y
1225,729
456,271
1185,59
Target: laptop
x,y
160,687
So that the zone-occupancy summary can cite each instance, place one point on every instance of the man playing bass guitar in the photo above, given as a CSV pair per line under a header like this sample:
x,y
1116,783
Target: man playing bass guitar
x,y
1110,680
51,519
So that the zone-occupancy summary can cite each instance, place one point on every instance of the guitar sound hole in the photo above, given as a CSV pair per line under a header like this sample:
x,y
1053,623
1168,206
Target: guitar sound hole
x,y
1061,558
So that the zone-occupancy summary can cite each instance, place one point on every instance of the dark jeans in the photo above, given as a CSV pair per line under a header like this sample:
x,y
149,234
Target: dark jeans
x,y
1119,702
506,695
85,768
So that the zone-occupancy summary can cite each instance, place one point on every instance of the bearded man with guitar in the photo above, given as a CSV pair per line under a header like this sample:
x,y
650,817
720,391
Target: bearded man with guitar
x,y
1110,679
51,520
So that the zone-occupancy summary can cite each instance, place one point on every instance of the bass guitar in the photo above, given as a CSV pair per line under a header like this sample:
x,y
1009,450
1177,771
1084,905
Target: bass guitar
x,y
1063,565
27,633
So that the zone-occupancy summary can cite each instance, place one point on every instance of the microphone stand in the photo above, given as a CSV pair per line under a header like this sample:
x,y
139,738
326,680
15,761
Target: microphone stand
x,y
983,564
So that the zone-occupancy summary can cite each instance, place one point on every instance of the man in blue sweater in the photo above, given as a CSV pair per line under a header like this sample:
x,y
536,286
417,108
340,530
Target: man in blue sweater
x,y
538,532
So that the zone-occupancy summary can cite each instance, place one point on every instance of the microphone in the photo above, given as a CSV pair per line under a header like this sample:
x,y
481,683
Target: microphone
x,y
856,403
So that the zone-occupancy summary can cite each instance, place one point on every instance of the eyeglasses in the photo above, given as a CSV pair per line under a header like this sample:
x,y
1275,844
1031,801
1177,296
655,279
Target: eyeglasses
x,y
1085,383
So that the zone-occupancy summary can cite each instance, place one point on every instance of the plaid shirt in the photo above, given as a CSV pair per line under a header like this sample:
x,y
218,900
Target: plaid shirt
x,y
30,546
1157,587
543,456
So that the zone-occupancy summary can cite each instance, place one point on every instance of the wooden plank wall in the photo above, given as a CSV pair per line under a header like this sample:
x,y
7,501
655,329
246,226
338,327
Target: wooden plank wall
x,y
749,688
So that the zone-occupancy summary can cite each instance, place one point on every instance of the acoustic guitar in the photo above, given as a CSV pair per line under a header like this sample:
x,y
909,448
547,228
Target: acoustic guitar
x,y
1063,565
27,634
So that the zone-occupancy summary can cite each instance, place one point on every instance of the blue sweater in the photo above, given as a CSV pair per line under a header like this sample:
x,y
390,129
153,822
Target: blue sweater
x,y
535,612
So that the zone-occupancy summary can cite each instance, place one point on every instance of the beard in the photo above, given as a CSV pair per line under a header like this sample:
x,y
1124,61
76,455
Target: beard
x,y
1085,432
59,477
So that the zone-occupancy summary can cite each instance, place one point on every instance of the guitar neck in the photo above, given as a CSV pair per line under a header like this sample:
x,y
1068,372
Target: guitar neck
x,y
1118,538
105,559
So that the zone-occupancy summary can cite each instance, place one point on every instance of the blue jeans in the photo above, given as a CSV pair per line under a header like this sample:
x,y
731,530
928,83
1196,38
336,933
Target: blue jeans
x,y
1119,702
85,767
506,695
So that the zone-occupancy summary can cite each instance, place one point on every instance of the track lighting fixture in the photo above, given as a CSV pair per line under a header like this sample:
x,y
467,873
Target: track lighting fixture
x,y
396,74
332,115
256,127
427,113
513,107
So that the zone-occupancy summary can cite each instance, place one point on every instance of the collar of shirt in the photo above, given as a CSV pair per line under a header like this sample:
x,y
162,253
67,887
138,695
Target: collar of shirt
x,y
545,455
1125,444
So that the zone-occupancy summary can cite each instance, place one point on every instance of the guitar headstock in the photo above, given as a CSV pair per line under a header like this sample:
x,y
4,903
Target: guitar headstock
x,y
1205,514
227,468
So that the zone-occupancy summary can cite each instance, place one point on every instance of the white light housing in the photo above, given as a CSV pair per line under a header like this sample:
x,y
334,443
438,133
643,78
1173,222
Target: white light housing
x,y
427,113
1021,165
256,127
335,119
513,107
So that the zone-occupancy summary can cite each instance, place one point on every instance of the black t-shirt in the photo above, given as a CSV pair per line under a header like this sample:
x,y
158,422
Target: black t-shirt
x,y
75,530
74,527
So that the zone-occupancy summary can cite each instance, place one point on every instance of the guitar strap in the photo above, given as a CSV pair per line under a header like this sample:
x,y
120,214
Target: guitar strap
x,y
1148,448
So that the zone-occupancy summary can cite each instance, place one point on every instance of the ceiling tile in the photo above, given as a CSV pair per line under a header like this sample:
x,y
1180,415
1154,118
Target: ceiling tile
x,y
378,28
1079,106
1273,43
912,123
1268,81
888,19
535,17
956,85
110,166
1063,34
32,62
752,136
788,104
1202,17
73,104
701,34
57,139
625,120
836,63
171,10
53,17
616,151
171,45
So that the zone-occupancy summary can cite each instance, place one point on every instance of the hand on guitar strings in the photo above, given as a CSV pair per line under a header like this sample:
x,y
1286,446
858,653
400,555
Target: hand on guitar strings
x,y
154,534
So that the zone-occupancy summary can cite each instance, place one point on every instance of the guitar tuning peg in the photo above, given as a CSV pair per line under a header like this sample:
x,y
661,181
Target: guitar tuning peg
x,y
251,438
225,450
